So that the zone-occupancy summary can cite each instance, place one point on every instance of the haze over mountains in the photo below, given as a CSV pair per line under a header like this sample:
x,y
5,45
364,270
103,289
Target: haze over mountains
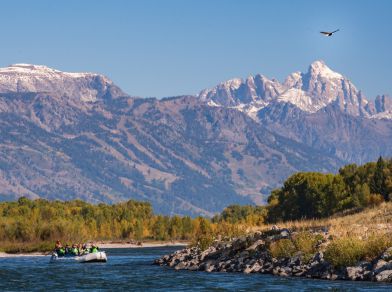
x,y
77,135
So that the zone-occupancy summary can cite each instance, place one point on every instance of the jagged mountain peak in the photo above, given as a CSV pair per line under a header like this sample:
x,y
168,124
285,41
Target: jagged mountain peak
x,y
309,91
319,67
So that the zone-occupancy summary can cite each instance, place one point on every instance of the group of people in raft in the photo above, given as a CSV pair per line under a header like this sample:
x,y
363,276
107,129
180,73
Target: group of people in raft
x,y
75,249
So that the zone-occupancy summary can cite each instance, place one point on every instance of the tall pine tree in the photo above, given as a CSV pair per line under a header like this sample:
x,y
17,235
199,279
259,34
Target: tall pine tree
x,y
379,179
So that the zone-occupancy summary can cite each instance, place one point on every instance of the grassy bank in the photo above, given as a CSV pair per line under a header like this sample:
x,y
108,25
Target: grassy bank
x,y
348,238
26,247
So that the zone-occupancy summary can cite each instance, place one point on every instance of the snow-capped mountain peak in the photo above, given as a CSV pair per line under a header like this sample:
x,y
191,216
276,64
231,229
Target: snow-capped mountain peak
x,y
21,77
321,69
311,91
42,70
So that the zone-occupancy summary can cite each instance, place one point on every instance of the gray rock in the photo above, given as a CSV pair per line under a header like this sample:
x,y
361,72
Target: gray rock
x,y
384,276
381,265
180,266
248,270
256,267
320,270
173,262
318,257
295,260
244,254
193,268
298,270
387,255
355,273
256,245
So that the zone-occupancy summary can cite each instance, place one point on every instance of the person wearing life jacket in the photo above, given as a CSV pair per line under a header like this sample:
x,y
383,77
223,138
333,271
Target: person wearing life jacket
x,y
85,249
59,249
74,250
67,250
80,249
94,248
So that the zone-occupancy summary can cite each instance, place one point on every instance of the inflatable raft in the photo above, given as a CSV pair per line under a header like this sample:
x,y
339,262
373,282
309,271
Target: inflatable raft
x,y
94,257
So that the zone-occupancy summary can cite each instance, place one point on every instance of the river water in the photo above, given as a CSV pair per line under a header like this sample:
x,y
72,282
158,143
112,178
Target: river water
x,y
131,269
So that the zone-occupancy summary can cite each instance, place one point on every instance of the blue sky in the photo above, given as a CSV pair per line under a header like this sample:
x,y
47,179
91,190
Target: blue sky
x,y
165,48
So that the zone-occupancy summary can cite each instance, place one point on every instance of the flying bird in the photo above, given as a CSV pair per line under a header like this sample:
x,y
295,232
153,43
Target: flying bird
x,y
328,33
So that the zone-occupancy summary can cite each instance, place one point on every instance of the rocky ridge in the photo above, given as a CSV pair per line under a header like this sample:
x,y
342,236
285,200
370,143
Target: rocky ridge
x,y
310,92
250,254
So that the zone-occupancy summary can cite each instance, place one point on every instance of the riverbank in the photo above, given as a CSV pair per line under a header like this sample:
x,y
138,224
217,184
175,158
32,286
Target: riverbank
x,y
140,244
273,253
102,245
352,247
10,255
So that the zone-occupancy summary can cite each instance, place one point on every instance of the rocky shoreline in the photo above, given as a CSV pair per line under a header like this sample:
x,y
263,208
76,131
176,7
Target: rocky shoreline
x,y
250,254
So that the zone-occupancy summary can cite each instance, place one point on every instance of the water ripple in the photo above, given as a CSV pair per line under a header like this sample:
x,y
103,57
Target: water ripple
x,y
131,269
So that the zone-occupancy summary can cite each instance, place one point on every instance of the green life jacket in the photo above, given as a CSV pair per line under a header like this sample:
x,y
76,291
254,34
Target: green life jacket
x,y
74,251
60,251
93,249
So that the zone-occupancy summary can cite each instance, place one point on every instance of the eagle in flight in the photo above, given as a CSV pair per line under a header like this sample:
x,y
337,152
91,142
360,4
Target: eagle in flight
x,y
328,33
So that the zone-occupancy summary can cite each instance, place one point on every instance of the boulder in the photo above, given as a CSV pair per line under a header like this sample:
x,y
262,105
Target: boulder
x,y
248,270
381,265
180,266
319,270
256,245
355,273
384,276
318,257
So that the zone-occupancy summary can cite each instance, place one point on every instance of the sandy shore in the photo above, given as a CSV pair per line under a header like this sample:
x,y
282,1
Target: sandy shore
x,y
13,255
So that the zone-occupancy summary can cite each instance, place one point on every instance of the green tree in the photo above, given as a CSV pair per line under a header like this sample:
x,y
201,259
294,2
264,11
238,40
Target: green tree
x,y
379,179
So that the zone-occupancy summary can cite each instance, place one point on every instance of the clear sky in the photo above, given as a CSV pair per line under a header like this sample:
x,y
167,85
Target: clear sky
x,y
166,48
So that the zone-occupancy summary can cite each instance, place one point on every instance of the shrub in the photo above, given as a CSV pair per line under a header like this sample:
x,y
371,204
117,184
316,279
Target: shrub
x,y
306,243
349,250
345,252
282,248
375,245
375,199
203,242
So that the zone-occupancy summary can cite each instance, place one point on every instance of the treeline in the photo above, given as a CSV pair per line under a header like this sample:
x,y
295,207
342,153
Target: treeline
x,y
35,221
307,195
317,195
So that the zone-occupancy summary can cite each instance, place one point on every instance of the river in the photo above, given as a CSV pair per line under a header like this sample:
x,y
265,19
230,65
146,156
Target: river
x,y
131,269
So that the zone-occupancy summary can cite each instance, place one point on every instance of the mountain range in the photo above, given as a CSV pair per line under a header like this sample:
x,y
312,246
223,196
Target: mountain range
x,y
79,136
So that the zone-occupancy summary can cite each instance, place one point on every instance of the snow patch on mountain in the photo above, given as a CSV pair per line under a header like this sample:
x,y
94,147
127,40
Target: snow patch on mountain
x,y
383,115
88,87
251,109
